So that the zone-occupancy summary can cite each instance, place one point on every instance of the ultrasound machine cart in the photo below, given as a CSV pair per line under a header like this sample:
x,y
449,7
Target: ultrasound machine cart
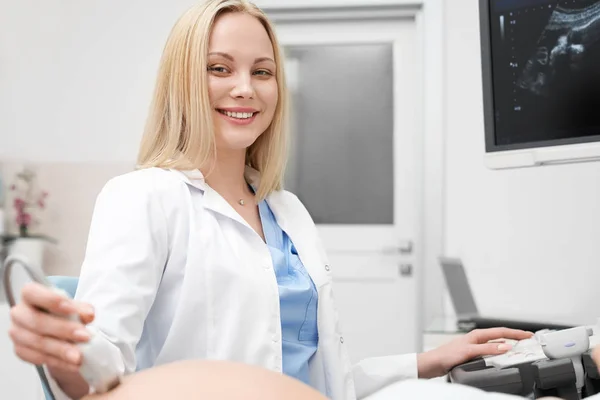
x,y
553,363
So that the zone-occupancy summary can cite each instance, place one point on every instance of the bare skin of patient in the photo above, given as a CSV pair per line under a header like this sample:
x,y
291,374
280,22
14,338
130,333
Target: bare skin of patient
x,y
208,380
214,380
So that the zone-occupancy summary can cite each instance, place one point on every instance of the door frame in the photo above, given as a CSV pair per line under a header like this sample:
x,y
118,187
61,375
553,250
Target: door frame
x,y
428,16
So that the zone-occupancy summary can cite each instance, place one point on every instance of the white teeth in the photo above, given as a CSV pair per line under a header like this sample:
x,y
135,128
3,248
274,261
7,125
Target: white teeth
x,y
240,115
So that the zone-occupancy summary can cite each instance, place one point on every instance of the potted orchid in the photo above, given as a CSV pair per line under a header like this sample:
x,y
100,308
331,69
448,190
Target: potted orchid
x,y
27,198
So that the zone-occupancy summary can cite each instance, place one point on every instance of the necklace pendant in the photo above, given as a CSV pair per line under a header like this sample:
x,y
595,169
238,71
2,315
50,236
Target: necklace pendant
x,y
242,202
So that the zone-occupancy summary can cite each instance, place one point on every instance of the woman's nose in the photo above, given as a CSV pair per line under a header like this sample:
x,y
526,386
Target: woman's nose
x,y
243,87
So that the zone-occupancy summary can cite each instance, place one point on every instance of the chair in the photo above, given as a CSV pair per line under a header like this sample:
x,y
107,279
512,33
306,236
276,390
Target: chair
x,y
66,283
69,285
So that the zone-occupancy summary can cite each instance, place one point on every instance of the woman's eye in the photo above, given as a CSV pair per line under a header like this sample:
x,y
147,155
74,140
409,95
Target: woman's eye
x,y
263,72
218,69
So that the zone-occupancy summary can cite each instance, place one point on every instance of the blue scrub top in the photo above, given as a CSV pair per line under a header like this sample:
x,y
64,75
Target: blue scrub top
x,y
297,296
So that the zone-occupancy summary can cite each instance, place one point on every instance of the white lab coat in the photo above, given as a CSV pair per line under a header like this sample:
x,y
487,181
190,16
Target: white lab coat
x,y
175,273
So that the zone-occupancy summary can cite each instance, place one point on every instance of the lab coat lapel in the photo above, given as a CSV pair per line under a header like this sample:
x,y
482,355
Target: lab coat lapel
x,y
215,202
290,214
211,200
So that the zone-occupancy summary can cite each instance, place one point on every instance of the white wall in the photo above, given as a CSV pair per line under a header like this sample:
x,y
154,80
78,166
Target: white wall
x,y
76,77
530,238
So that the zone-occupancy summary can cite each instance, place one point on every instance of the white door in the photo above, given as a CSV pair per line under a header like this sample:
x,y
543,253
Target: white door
x,y
356,165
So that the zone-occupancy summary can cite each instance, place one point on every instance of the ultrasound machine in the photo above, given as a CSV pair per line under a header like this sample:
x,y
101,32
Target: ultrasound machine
x,y
541,97
552,363
555,362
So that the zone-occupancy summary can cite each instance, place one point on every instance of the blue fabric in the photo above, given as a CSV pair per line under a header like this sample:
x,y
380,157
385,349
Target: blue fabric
x,y
298,299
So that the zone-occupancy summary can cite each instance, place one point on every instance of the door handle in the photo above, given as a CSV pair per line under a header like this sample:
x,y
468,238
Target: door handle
x,y
405,247
405,270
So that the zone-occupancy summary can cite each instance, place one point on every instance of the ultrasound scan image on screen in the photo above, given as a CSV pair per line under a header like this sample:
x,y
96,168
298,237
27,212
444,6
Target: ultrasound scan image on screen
x,y
545,61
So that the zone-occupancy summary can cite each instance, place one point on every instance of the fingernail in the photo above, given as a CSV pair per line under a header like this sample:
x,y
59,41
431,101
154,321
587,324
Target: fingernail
x,y
82,334
504,347
88,309
73,355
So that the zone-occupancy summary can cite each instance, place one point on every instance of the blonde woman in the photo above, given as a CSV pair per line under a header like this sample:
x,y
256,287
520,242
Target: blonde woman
x,y
200,254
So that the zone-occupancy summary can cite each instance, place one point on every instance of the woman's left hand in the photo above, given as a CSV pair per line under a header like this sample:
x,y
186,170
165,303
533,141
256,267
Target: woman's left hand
x,y
476,343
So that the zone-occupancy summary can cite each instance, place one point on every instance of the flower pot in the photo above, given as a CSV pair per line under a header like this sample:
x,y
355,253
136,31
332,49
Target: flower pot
x,y
30,248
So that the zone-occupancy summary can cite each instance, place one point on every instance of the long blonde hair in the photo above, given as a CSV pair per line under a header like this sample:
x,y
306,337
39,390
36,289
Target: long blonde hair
x,y
179,131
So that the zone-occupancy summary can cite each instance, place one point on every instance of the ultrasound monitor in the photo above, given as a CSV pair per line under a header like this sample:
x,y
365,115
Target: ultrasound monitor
x,y
541,81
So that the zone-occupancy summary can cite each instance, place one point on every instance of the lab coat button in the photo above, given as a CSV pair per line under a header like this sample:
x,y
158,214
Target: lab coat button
x,y
341,339
327,268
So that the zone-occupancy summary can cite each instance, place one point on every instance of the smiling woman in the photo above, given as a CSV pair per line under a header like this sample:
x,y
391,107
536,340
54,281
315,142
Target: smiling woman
x,y
201,255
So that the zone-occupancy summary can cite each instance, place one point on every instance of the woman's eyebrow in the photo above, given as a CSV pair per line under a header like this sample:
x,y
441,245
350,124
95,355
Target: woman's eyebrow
x,y
229,57
261,59
218,53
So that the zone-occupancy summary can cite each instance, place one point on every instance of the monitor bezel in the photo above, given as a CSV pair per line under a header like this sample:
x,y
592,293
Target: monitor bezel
x,y
488,96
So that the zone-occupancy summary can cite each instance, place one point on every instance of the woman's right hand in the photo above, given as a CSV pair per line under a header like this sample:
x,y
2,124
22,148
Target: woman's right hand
x,y
49,338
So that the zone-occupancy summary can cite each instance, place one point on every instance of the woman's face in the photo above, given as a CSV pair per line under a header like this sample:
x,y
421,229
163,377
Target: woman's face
x,y
241,80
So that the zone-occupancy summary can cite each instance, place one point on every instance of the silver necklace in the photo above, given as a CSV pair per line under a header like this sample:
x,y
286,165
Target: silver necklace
x,y
241,202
